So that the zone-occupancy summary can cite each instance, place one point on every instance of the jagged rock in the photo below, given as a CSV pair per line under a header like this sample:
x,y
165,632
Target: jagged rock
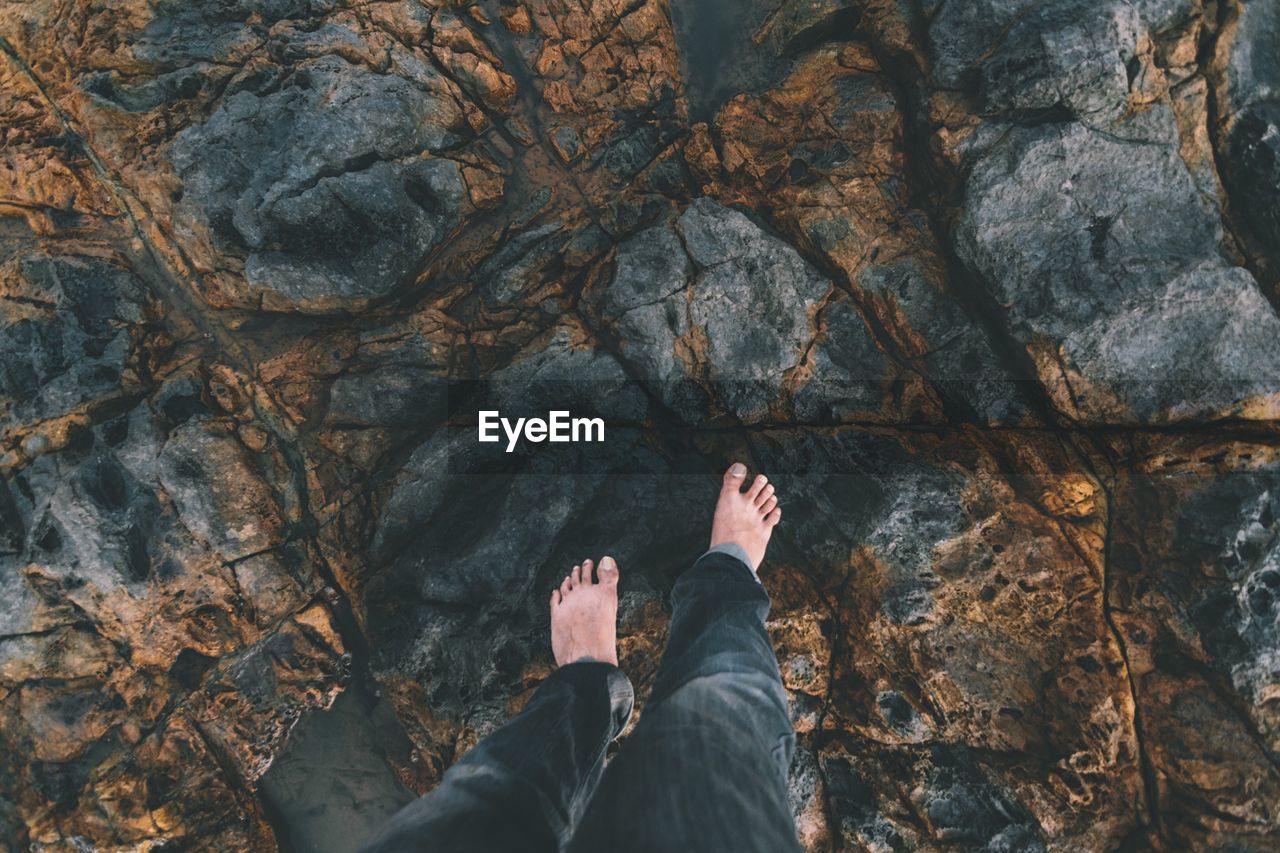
x,y
1061,49
1062,56
848,371
688,311
1254,155
77,338
329,221
745,274
1252,114
982,287
198,467
104,560
796,142
1201,631
853,806
1113,280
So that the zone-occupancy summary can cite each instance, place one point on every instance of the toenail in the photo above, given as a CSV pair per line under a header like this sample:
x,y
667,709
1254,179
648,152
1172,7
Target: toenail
x,y
738,469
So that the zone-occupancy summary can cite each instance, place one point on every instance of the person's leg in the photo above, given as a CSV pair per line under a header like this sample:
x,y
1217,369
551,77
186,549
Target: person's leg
x,y
523,787
706,767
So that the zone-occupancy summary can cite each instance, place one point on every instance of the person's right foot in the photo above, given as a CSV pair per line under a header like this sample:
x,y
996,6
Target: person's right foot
x,y
745,518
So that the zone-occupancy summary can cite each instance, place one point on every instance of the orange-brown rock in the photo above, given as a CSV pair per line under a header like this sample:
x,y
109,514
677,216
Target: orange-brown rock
x,y
987,290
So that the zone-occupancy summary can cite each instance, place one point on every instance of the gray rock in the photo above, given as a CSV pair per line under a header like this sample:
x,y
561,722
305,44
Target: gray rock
x,y
512,271
960,360
848,489
18,602
650,267
1069,55
219,495
900,716
555,372
960,34
91,518
1252,167
1068,47
1253,61
1091,263
322,183
182,33
804,783
75,342
849,370
391,396
1253,171
962,806
853,805
733,323
148,93
753,303
1228,581
1205,344
647,301
907,603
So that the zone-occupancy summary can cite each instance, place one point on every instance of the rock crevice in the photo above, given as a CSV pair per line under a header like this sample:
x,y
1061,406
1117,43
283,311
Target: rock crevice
x,y
987,289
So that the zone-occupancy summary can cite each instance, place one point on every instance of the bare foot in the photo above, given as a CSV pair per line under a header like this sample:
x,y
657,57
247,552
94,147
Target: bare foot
x,y
584,615
745,518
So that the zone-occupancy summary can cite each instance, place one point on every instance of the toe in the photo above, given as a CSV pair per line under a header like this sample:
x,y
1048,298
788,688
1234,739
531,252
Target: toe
x,y
768,506
734,476
587,577
566,586
608,571
576,577
774,517
765,494
555,597
757,485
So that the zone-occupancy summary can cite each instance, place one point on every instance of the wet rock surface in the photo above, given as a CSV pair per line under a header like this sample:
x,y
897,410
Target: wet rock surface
x,y
987,289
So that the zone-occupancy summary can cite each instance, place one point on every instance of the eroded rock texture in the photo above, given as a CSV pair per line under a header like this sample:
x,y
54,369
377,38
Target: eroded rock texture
x,y
987,288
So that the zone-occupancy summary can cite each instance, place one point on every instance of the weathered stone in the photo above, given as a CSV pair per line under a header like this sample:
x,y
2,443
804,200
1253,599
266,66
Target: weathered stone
x,y
758,277
217,494
1249,112
329,221
77,340
1133,256
795,143
1255,170
1071,57
1195,600
697,319
981,287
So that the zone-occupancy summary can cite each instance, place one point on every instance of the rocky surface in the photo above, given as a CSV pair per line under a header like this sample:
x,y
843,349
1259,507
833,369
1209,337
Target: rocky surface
x,y
987,288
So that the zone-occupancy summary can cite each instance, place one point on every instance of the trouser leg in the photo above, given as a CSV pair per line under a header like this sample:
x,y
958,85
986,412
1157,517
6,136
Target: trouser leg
x,y
706,767
523,787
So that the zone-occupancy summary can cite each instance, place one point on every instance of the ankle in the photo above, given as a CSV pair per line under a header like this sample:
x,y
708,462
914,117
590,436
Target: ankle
x,y
733,549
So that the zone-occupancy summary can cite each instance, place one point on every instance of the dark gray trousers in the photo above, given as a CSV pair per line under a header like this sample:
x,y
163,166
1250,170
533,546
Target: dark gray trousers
x,y
705,769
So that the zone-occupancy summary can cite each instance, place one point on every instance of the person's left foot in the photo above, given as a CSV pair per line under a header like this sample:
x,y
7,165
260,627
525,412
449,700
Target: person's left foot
x,y
584,615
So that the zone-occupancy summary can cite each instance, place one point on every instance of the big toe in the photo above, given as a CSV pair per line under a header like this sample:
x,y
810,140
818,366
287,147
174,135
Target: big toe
x,y
734,476
608,571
